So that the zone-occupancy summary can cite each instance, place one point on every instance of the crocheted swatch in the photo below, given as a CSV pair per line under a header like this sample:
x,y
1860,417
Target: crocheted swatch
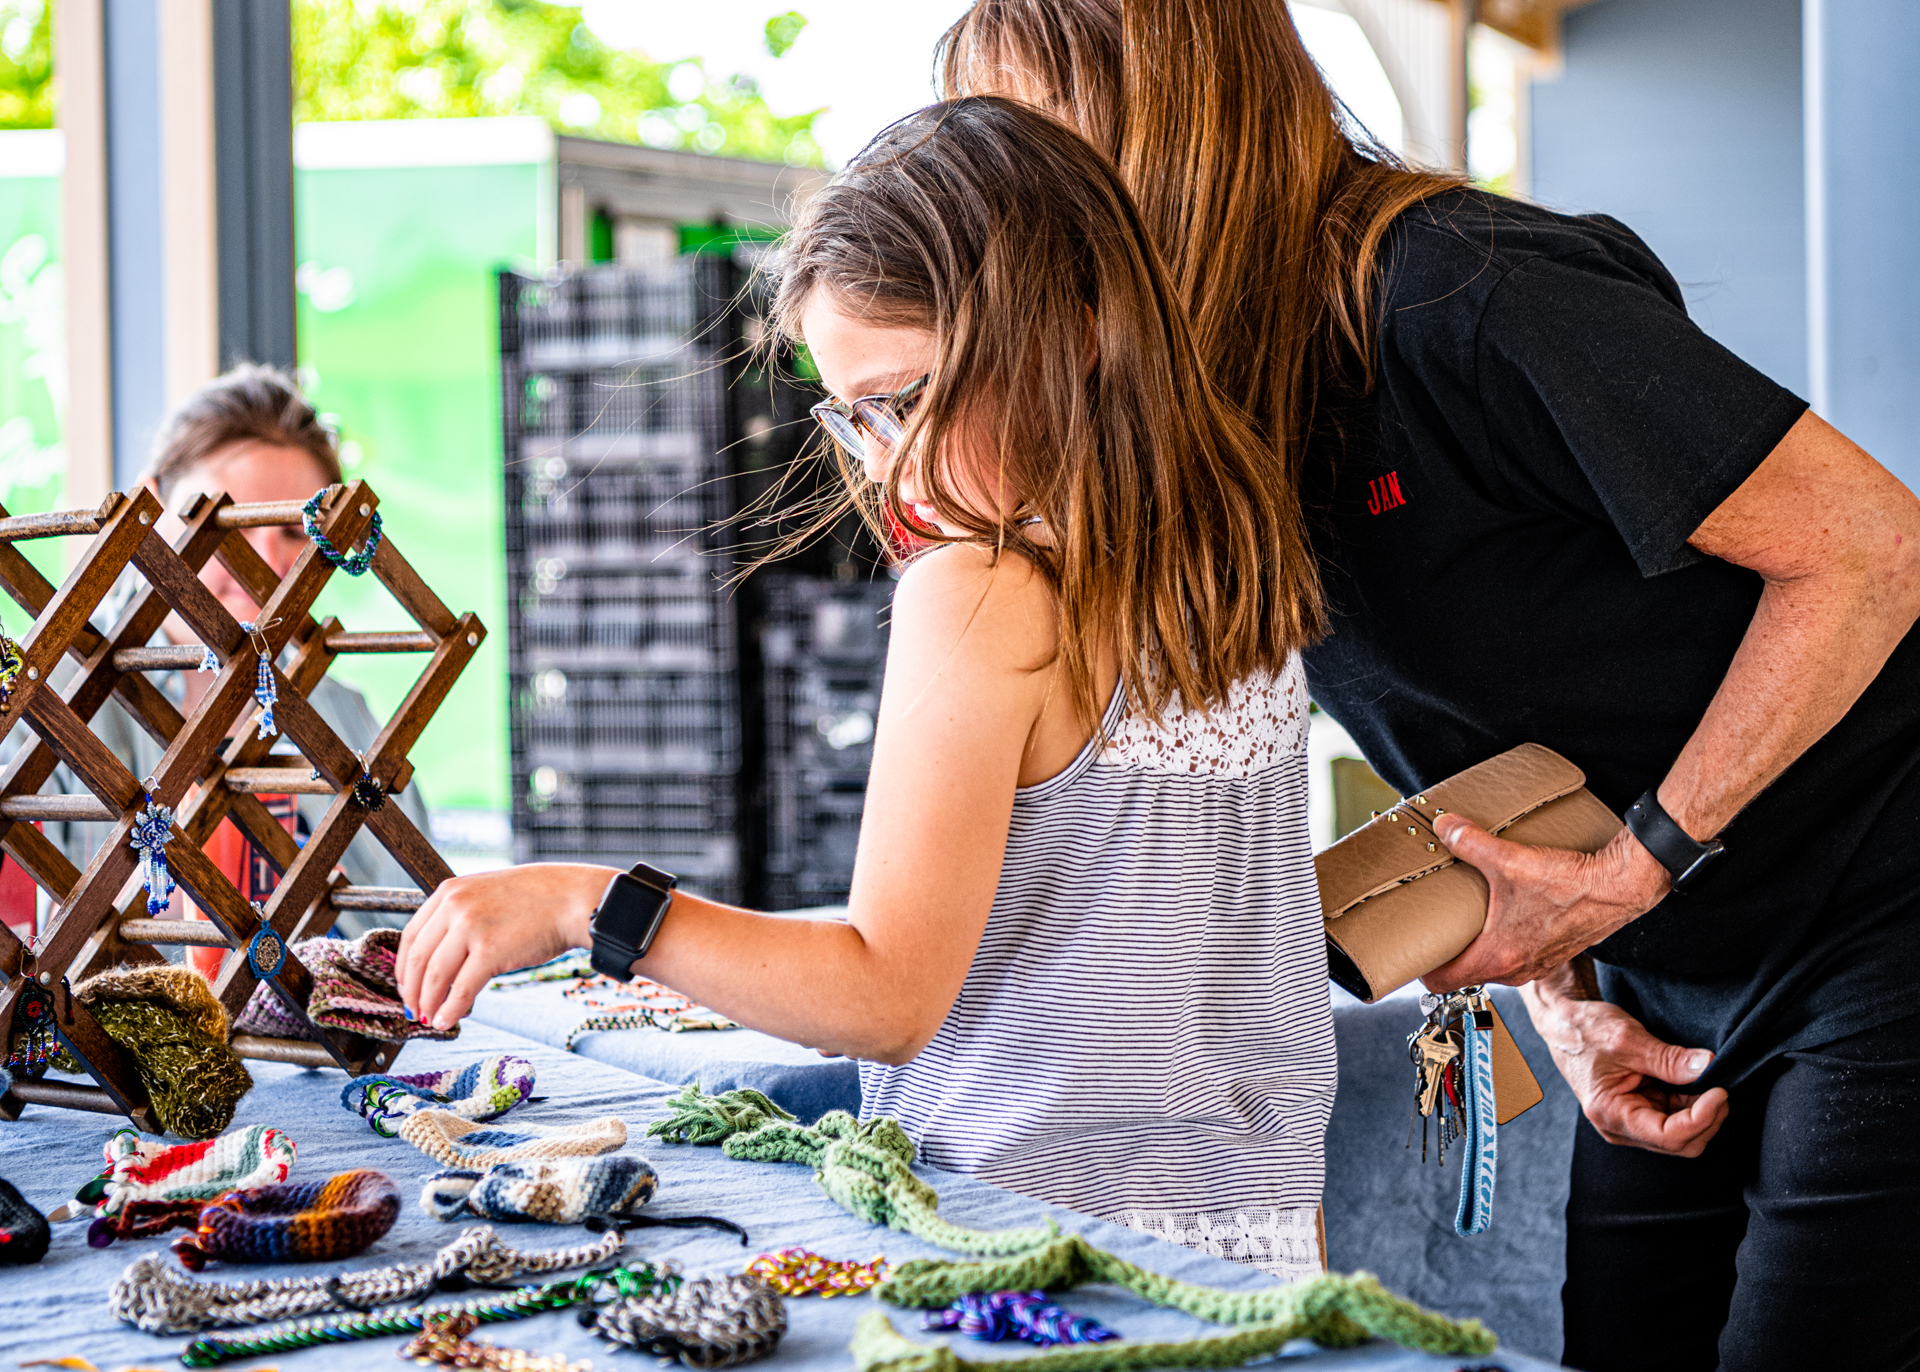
x,y
294,1222
140,1170
169,1022
481,1090
543,1190
455,1142
354,989
24,1233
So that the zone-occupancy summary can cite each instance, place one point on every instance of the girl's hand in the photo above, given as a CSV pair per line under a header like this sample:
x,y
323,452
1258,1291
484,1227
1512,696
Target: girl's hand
x,y
471,929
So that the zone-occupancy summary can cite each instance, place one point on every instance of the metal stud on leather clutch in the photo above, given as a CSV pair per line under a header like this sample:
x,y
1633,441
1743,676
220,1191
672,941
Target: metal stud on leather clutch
x,y
1397,904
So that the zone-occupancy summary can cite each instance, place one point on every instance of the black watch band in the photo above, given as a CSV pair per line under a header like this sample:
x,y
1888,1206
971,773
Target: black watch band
x,y
1672,846
628,917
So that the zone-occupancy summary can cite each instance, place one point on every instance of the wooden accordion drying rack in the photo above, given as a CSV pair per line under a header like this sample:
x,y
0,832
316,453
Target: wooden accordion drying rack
x,y
204,775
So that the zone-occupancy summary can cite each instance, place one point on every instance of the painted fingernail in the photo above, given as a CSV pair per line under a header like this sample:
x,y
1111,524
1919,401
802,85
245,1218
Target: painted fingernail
x,y
443,1020
407,1010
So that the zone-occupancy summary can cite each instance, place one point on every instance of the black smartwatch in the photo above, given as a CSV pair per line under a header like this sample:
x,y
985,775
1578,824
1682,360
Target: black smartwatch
x,y
1672,846
628,917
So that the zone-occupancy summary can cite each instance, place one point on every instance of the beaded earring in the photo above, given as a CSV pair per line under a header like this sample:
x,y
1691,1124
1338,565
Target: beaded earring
x,y
32,1043
265,691
152,829
353,564
10,665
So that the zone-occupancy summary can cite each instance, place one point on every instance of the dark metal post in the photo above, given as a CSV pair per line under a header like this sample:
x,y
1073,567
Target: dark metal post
x,y
253,149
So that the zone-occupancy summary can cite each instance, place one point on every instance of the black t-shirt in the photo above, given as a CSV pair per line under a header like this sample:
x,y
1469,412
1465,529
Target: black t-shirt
x,y
1502,525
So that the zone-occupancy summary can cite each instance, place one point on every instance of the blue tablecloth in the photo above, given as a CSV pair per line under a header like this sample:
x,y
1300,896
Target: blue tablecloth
x,y
797,1078
57,1308
1385,1212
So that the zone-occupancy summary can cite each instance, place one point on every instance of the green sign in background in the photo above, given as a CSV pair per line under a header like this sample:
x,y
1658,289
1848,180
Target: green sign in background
x,y
32,362
399,344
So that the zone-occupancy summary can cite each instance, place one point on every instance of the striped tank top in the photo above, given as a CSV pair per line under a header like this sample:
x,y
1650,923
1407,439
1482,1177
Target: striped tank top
x,y
1145,1032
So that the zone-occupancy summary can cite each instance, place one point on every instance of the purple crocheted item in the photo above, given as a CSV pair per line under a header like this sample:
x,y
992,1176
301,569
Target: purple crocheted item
x,y
354,989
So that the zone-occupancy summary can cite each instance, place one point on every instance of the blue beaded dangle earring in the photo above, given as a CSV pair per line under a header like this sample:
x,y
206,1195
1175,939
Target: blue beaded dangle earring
x,y
152,829
264,690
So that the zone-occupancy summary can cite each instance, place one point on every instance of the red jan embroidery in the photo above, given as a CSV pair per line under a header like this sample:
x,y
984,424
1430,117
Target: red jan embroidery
x,y
1384,493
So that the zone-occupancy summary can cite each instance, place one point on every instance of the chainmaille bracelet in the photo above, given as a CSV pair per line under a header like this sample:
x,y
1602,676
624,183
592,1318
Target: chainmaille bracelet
x,y
444,1341
799,1272
628,1282
709,1322
353,564
996,1316
154,1296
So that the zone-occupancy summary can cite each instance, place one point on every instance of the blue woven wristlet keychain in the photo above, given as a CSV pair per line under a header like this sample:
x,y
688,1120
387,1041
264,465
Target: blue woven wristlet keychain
x,y
1452,1055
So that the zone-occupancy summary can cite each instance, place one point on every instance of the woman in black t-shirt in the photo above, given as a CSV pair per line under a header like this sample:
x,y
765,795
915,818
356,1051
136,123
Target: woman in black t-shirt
x,y
1547,508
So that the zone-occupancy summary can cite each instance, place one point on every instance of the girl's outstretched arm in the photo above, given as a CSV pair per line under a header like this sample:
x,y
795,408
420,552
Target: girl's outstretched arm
x,y
966,716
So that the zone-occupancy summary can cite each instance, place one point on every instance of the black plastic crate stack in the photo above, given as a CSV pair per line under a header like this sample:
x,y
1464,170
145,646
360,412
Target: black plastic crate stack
x,y
623,641
823,645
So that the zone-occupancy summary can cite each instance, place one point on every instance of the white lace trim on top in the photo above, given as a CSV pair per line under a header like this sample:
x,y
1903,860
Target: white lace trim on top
x,y
1283,1242
1263,723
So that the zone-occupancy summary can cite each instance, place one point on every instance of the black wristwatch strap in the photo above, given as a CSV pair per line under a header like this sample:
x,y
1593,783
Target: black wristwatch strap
x,y
1673,846
628,917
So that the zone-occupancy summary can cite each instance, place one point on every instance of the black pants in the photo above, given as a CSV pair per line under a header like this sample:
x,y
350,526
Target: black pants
x,y
1792,1243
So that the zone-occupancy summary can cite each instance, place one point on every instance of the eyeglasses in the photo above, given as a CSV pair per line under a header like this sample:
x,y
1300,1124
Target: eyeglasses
x,y
881,419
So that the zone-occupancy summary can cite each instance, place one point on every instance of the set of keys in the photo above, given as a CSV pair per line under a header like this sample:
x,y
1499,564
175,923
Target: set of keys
x,y
1437,1050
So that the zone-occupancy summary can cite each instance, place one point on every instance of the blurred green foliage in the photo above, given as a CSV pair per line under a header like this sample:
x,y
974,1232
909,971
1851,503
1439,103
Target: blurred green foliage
x,y
26,64
410,59
435,59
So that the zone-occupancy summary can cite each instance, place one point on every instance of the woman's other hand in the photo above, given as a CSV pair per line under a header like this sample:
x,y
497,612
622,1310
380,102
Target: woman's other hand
x,y
471,929
1624,1077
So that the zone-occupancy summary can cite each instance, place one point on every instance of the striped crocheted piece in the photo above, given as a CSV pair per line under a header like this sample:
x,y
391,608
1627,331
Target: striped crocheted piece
x,y
139,1170
354,989
454,1142
309,1221
543,1190
482,1090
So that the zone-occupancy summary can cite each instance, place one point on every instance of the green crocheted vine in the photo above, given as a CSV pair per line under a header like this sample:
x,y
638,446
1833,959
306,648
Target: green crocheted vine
x,y
865,1168
1333,1311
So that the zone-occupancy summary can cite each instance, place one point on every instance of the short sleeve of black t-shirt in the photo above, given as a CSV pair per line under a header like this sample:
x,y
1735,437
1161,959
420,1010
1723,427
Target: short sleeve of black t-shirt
x,y
1597,390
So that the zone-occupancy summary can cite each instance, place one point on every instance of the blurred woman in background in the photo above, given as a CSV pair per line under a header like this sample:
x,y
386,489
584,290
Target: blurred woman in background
x,y
251,434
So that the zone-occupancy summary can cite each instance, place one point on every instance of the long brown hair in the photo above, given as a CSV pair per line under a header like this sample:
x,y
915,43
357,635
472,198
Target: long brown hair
x,y
1065,375
1267,200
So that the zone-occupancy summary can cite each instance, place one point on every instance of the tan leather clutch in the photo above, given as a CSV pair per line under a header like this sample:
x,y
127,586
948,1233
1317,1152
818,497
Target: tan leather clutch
x,y
1397,904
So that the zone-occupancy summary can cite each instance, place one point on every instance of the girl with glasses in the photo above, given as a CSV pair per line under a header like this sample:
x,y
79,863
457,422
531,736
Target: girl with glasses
x,y
1083,957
